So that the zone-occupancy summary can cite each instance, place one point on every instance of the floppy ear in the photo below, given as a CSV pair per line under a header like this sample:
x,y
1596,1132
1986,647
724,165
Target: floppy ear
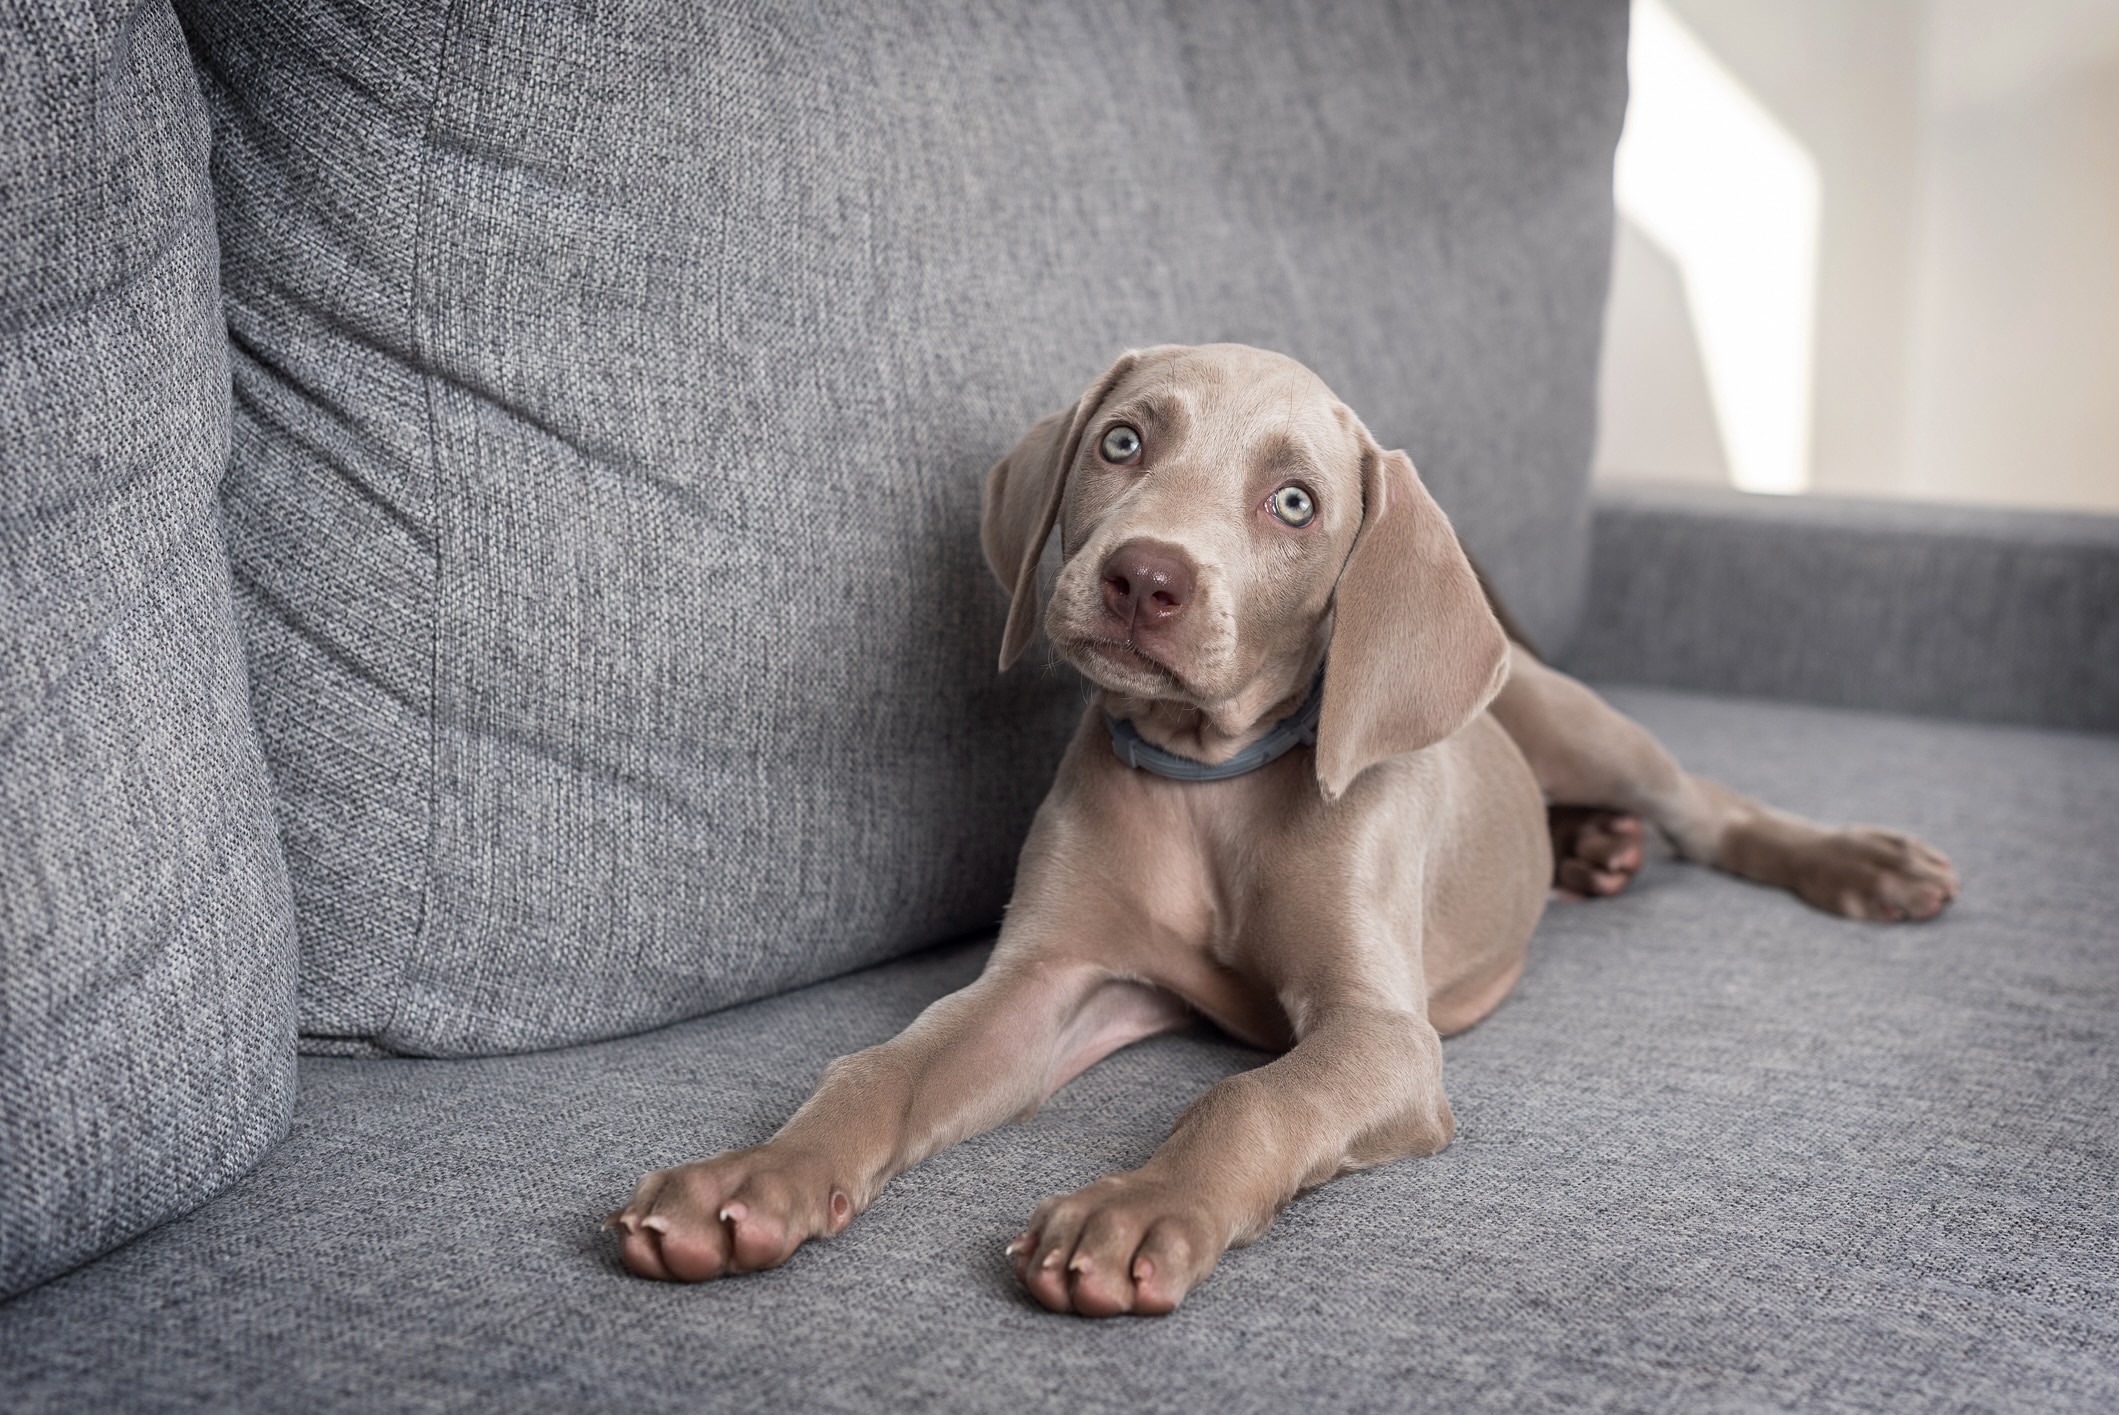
x,y
1415,651
1022,501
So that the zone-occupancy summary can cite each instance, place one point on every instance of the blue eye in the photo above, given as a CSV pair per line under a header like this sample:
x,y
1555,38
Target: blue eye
x,y
1121,444
1293,506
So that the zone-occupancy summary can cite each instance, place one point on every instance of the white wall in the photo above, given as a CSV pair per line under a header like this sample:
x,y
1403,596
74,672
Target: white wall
x,y
1966,321
2015,318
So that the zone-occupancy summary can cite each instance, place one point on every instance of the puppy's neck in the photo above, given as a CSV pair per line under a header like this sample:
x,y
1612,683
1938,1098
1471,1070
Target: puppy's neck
x,y
1213,733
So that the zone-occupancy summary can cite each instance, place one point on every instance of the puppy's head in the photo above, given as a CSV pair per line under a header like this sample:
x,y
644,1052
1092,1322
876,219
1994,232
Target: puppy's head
x,y
1226,524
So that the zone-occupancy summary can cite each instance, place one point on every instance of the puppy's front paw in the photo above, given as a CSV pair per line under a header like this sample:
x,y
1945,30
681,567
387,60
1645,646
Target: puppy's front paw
x,y
738,1212
1867,873
1125,1244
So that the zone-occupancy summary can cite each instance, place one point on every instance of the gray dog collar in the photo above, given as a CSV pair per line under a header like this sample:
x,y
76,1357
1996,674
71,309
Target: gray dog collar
x,y
1298,729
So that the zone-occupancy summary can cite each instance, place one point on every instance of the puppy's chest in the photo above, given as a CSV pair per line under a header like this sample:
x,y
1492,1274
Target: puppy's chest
x,y
1178,889
1204,886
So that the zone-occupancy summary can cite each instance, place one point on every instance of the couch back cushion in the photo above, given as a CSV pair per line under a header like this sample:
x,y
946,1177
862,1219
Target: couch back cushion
x,y
614,385
147,956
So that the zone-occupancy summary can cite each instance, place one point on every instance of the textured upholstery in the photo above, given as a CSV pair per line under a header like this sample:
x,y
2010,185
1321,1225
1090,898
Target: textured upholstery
x,y
1954,611
613,386
146,944
1717,1152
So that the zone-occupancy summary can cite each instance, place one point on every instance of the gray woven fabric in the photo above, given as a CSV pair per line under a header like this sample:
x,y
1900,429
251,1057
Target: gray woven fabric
x,y
1962,612
613,387
1717,1152
146,944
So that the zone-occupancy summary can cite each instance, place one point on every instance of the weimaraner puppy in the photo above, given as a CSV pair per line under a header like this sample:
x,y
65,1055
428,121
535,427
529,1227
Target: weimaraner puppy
x,y
1309,804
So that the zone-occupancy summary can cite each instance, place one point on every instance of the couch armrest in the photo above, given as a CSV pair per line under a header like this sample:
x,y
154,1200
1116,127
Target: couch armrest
x,y
1997,616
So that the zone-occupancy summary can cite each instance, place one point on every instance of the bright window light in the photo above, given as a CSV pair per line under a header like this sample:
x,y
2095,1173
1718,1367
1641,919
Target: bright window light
x,y
1707,174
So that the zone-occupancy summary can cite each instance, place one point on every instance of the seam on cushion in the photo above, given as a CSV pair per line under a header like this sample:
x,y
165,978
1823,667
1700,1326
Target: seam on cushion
x,y
1763,522
422,353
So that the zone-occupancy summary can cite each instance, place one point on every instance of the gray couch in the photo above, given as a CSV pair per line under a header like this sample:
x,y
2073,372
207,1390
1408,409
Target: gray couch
x,y
492,603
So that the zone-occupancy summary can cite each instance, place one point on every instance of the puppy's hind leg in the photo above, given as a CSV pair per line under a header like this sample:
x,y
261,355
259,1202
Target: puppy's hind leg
x,y
1587,754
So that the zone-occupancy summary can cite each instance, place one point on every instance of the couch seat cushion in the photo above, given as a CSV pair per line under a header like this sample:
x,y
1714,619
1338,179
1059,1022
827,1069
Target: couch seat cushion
x,y
1718,1150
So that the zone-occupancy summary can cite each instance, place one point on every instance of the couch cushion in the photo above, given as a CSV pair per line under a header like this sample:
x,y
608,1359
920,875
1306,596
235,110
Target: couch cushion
x,y
614,387
1971,612
1717,1152
146,932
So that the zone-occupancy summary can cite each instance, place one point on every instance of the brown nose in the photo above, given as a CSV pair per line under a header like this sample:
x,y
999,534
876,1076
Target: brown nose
x,y
1147,585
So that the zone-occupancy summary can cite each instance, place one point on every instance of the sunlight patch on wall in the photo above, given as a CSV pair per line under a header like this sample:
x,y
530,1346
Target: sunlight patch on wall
x,y
1708,175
